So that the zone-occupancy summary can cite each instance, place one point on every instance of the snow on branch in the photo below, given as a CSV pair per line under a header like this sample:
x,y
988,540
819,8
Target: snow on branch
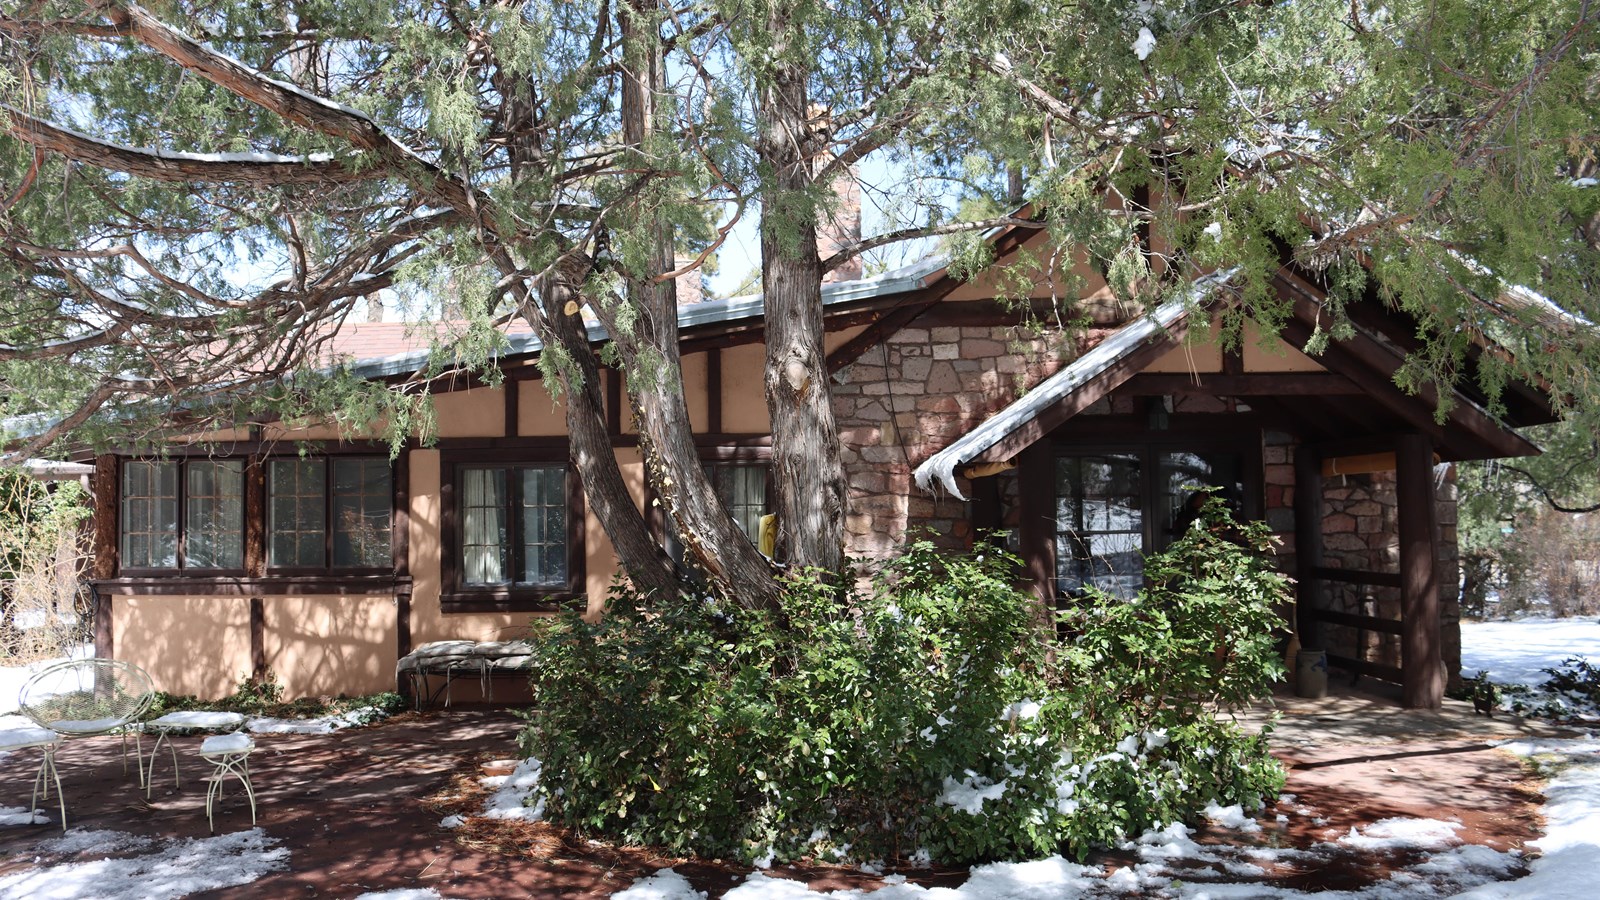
x,y
163,165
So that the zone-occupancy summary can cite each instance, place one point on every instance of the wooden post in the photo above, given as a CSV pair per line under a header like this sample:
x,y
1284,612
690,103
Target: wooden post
x,y
400,545
104,563
1422,668
1308,514
1036,483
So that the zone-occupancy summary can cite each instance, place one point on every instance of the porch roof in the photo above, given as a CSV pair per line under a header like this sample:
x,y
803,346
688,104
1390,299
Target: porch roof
x,y
1097,371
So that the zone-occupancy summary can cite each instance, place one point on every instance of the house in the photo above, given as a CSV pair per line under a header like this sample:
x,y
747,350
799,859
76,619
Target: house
x,y
285,548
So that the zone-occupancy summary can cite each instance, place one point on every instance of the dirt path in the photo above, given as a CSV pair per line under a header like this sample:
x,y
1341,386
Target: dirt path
x,y
353,808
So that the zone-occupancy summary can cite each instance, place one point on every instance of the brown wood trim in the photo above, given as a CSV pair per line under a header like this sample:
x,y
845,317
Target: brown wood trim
x,y
1371,364
1370,623
1086,395
400,513
242,586
1317,384
1354,576
613,401
402,628
1037,521
535,444
476,602
512,389
449,530
1421,655
1308,512
258,637
1362,667
106,491
255,517
883,324
714,390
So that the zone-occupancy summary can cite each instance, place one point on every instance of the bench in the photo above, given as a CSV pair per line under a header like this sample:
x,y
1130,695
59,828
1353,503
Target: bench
x,y
483,660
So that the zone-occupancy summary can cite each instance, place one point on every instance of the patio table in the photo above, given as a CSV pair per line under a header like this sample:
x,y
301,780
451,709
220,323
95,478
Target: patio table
x,y
186,720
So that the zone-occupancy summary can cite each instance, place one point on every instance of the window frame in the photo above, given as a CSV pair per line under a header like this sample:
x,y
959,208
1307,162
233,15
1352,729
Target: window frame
x,y
328,568
1150,450
458,597
182,499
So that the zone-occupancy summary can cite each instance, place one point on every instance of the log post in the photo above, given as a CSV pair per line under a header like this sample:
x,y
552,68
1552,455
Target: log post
x,y
1422,667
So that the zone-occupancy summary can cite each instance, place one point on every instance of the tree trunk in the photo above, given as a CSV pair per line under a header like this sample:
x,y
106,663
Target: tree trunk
x,y
589,442
640,555
807,473
709,535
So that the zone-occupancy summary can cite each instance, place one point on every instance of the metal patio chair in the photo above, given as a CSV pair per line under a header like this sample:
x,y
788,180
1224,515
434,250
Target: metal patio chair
x,y
85,697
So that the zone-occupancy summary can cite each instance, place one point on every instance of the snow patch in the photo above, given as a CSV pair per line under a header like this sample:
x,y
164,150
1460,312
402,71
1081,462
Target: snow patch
x,y
179,868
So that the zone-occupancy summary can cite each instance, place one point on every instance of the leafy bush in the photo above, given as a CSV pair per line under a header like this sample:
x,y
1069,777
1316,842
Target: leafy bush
x,y
264,697
936,716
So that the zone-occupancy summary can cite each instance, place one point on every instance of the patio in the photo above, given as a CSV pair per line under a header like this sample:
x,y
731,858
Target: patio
x,y
352,808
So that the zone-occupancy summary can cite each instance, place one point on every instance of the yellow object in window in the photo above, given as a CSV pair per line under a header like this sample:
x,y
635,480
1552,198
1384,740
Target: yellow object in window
x,y
768,543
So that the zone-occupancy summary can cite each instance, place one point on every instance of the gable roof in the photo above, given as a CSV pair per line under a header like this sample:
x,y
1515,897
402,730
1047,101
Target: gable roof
x,y
1087,379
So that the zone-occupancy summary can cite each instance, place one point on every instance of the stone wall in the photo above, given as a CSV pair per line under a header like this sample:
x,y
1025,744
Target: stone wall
x,y
908,398
1361,531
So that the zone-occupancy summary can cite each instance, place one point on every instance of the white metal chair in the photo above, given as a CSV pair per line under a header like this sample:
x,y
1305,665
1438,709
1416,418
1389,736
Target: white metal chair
x,y
186,720
230,753
47,741
84,697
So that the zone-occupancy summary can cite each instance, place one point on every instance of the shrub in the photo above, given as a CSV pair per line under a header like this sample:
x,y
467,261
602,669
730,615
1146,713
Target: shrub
x,y
935,716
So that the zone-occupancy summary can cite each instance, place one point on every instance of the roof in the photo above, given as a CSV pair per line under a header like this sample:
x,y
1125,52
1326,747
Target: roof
x,y
1088,368
377,353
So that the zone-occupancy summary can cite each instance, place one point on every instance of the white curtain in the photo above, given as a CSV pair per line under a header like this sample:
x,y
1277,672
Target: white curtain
x,y
483,526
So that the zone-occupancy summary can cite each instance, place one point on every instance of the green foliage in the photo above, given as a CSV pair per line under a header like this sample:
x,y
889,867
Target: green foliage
x,y
932,716
264,697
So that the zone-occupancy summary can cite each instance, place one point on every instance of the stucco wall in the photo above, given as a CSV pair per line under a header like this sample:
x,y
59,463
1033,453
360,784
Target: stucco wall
x,y
189,645
330,645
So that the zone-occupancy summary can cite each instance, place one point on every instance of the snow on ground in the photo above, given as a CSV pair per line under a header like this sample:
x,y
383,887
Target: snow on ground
x,y
12,678
510,797
175,868
403,894
1173,865
1518,650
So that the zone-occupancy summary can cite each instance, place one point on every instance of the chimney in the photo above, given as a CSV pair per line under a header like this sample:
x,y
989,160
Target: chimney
x,y
374,308
839,223
840,226
690,288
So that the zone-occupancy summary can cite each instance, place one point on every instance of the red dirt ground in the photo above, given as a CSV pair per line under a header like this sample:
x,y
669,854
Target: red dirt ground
x,y
353,809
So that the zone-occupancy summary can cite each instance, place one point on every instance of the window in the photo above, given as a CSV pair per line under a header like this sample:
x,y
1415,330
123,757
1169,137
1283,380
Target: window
x,y
305,495
742,488
1114,507
1099,524
513,530
209,533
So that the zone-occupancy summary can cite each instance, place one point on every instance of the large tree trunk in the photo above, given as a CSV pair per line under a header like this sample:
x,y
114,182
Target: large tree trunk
x,y
709,535
545,308
640,555
807,472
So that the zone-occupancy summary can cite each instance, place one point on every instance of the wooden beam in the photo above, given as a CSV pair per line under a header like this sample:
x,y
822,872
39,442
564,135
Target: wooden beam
x,y
258,638
1315,384
513,391
714,390
400,549
1370,623
885,323
1421,659
1372,364
1354,576
1308,514
1036,473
